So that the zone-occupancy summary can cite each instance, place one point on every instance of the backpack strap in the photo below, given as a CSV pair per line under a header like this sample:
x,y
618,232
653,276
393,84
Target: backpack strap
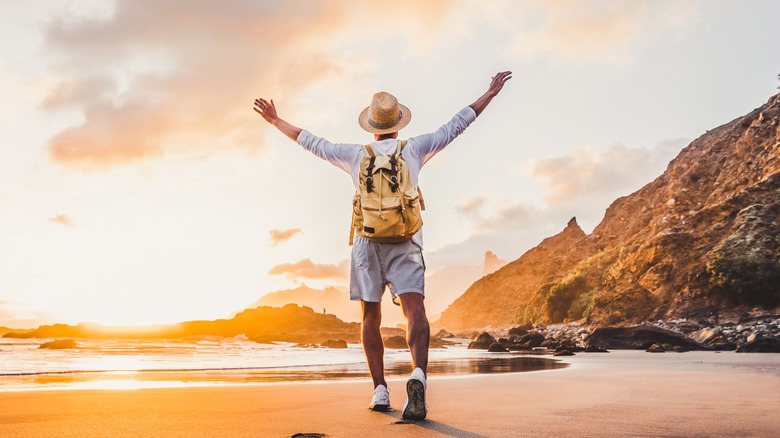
x,y
401,146
352,231
394,165
370,168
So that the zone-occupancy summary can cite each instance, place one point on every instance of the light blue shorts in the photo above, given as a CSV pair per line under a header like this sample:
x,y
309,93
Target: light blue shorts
x,y
375,265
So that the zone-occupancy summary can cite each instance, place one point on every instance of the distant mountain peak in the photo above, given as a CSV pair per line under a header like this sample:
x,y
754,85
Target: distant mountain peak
x,y
492,263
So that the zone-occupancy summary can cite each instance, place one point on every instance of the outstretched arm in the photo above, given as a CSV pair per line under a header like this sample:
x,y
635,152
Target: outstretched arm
x,y
495,86
268,111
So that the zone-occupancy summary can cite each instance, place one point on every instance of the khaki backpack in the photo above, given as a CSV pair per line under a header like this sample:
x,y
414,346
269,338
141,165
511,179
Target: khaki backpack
x,y
386,207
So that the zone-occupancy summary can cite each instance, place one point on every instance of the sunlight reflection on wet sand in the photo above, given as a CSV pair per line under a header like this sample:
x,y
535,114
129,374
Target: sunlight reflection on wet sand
x,y
139,379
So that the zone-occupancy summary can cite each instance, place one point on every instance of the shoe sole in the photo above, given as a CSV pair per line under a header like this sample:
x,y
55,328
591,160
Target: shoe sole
x,y
415,406
380,408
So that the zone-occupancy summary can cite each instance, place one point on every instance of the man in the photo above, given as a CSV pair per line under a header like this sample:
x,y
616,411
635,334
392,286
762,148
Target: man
x,y
397,265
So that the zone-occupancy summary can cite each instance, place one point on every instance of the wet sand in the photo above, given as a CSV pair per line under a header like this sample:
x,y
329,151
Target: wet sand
x,y
623,393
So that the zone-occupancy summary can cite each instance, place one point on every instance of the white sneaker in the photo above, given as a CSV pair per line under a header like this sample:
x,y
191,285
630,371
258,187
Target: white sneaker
x,y
416,408
381,399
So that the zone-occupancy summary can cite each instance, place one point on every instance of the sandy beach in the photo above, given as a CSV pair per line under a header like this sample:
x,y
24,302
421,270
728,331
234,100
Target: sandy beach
x,y
622,393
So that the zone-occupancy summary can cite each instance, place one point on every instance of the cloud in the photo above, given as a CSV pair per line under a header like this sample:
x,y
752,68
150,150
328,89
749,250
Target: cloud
x,y
62,219
306,269
509,230
152,79
472,208
279,236
584,30
581,184
585,175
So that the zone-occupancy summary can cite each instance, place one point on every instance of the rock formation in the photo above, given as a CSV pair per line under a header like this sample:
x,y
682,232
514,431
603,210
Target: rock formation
x,y
492,263
331,300
700,240
493,300
290,323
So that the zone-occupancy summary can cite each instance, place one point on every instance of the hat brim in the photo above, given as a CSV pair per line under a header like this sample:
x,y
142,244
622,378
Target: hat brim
x,y
406,117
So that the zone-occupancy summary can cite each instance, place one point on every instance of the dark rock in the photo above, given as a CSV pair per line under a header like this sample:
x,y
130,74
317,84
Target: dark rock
x,y
395,342
495,347
639,337
656,348
503,341
590,348
59,344
482,342
721,343
518,347
513,337
563,353
330,343
763,345
443,334
521,329
560,344
532,339
704,336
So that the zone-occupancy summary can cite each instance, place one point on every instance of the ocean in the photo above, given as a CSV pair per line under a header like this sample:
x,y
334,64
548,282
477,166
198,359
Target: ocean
x,y
131,364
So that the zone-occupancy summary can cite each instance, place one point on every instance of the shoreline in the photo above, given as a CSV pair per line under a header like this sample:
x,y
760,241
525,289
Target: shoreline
x,y
623,393
474,363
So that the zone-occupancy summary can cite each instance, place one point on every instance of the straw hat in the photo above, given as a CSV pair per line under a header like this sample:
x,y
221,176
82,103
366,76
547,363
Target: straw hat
x,y
385,115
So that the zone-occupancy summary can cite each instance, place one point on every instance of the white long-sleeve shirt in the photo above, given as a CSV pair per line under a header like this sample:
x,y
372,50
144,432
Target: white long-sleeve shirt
x,y
417,152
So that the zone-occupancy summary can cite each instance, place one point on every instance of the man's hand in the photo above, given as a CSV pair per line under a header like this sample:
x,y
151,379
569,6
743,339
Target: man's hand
x,y
268,111
498,82
495,86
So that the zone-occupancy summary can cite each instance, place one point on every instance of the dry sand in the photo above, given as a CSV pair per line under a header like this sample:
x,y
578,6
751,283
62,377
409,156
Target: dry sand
x,y
618,394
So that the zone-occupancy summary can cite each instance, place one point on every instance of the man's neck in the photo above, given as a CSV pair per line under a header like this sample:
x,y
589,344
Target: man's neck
x,y
380,137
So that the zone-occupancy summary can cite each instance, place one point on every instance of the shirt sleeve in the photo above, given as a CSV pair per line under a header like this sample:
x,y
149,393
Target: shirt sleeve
x,y
425,146
341,155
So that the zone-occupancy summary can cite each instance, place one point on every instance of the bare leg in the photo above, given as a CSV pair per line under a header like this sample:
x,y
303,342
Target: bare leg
x,y
372,342
418,332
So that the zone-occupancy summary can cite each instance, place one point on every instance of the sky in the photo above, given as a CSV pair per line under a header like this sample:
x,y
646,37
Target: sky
x,y
137,186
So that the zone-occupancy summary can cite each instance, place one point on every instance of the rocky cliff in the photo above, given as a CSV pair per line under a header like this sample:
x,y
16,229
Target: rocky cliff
x,y
701,239
492,300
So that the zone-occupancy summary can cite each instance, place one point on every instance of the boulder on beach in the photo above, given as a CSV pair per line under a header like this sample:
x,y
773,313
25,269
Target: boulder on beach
x,y
521,329
59,344
331,343
639,337
563,353
443,334
656,348
531,339
762,345
496,347
721,343
395,342
482,342
706,335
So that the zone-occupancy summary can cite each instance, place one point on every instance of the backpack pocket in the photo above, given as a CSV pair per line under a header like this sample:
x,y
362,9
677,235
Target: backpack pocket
x,y
383,222
357,213
411,211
